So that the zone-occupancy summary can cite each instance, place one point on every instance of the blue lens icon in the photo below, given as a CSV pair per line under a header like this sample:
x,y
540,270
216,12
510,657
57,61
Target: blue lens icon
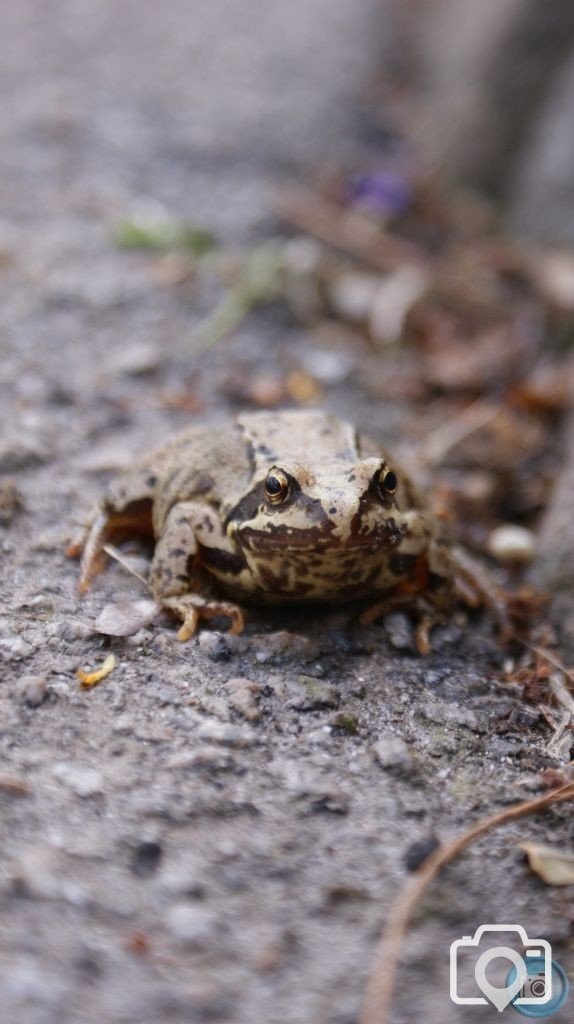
x,y
535,988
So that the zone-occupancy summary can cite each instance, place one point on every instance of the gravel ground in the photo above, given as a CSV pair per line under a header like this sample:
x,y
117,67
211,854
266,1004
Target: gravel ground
x,y
216,831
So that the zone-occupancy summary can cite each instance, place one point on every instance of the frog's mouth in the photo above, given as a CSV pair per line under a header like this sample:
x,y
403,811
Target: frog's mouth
x,y
282,539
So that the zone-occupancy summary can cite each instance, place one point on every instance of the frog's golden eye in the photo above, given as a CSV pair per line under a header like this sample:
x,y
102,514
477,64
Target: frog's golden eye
x,y
388,483
276,487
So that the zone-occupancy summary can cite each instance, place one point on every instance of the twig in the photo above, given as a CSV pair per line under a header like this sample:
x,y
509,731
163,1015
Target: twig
x,y
113,552
380,987
543,653
561,743
441,441
562,693
259,282
346,230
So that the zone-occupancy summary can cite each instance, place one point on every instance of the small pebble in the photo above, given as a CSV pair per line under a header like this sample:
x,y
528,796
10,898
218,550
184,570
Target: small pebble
x,y
146,858
443,713
136,359
203,756
319,737
182,881
392,753
326,366
345,722
31,690
191,924
214,645
69,629
243,698
11,502
310,694
227,735
399,630
27,985
512,545
524,715
328,800
17,455
84,782
352,294
14,648
417,853
285,646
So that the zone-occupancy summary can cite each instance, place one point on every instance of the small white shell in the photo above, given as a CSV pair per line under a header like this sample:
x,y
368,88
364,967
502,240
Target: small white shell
x,y
512,544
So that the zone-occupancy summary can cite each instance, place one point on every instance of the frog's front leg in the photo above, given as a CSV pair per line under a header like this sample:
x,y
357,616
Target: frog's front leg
x,y
180,567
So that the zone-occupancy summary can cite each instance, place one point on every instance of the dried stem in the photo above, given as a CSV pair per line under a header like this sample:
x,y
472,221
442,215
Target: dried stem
x,y
441,441
380,988
113,552
347,230
562,693
542,652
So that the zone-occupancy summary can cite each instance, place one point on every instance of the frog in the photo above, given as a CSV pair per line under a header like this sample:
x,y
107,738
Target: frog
x,y
292,507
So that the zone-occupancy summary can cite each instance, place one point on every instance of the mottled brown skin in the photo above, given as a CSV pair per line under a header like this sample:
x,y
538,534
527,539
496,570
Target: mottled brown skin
x,y
335,535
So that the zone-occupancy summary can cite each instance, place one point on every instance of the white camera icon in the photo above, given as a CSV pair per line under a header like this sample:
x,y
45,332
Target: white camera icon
x,y
529,994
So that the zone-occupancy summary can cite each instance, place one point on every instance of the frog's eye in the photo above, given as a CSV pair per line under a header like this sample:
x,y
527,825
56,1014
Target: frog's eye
x,y
276,487
388,483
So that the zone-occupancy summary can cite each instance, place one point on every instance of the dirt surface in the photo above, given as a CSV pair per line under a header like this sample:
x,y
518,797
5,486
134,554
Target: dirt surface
x,y
217,830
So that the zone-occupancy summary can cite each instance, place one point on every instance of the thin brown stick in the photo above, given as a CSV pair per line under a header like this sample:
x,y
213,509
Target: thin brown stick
x,y
562,694
113,552
542,652
442,440
346,230
381,984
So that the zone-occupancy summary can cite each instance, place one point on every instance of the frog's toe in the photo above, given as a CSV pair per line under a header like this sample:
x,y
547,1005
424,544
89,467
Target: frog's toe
x,y
373,612
189,626
423,633
192,608
91,551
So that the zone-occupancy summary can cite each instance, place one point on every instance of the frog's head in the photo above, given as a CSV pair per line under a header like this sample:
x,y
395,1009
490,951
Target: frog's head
x,y
294,520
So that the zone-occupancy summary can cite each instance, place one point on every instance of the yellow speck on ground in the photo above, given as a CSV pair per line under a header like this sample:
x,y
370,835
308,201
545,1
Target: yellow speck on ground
x,y
88,679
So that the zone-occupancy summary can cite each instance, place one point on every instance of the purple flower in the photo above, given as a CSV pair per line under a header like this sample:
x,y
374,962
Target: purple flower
x,y
385,191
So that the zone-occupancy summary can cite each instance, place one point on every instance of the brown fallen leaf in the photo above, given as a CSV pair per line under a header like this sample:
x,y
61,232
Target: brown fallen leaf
x,y
553,866
126,617
93,678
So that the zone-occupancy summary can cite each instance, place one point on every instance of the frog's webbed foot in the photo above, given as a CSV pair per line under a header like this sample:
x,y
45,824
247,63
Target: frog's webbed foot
x,y
191,608
426,620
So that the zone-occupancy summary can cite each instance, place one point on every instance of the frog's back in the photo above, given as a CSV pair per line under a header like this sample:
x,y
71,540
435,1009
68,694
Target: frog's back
x,y
295,436
208,462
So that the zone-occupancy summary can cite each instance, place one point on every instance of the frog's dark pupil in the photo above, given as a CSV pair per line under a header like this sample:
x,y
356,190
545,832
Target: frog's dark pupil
x,y
390,482
273,485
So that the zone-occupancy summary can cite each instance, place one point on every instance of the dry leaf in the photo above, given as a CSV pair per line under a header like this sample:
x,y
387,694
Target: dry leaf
x,y
93,678
126,617
555,867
